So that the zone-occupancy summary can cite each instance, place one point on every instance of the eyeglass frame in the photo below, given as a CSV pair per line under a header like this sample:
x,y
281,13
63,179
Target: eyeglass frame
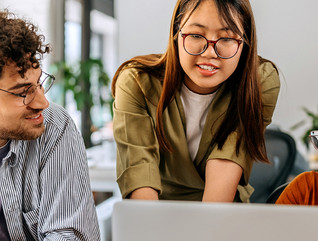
x,y
314,134
184,35
39,84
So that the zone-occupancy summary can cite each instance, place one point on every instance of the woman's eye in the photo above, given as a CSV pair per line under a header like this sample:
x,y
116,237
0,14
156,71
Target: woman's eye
x,y
226,39
196,36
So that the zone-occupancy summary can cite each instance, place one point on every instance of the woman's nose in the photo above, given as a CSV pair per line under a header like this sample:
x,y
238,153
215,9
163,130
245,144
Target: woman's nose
x,y
210,51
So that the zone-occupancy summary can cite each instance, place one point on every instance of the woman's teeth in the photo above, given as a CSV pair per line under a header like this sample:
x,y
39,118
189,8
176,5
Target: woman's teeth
x,y
207,67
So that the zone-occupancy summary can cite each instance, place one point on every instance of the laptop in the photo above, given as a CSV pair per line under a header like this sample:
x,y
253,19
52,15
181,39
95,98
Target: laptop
x,y
135,220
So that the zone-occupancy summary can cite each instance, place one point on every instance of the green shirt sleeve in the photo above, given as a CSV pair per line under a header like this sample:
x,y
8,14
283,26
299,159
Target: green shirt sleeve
x,y
134,132
270,89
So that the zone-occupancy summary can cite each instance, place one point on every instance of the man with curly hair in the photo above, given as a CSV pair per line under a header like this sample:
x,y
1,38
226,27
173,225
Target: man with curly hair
x,y
44,184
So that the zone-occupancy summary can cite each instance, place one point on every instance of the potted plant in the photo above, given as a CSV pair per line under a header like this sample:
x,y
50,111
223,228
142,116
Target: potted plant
x,y
80,78
313,155
314,125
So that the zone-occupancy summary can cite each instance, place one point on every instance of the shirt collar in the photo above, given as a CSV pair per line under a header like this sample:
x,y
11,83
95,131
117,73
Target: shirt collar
x,y
12,156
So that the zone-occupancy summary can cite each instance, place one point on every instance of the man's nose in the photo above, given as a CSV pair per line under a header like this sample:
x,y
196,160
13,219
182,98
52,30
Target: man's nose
x,y
39,101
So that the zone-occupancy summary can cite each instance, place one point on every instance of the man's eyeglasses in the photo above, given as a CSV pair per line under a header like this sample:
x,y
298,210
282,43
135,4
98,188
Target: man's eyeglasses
x,y
196,44
314,138
45,83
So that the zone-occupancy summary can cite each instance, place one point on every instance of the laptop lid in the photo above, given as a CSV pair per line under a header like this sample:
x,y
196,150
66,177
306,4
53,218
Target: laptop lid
x,y
134,220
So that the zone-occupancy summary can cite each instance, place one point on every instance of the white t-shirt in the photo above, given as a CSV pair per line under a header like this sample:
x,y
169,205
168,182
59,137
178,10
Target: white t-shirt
x,y
196,110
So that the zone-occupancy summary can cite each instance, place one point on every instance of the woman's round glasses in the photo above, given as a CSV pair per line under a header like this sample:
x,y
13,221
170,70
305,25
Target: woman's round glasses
x,y
314,138
45,83
196,44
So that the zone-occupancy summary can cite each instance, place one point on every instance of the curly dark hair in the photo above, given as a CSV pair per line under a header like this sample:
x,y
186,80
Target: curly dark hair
x,y
20,44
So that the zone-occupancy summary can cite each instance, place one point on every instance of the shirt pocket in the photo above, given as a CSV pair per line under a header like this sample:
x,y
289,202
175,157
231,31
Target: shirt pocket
x,y
31,220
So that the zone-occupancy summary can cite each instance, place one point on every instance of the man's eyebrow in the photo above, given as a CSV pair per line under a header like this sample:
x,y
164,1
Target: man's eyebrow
x,y
19,85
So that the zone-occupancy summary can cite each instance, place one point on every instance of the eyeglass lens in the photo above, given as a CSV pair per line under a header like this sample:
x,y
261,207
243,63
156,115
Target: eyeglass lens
x,y
46,82
226,47
314,140
197,44
30,94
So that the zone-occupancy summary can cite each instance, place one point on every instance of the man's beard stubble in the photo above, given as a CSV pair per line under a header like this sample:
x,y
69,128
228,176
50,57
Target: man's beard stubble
x,y
23,134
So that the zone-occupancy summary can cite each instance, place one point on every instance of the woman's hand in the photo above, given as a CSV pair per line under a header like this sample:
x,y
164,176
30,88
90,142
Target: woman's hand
x,y
221,180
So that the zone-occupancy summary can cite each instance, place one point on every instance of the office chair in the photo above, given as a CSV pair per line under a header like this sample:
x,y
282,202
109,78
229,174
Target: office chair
x,y
265,178
276,193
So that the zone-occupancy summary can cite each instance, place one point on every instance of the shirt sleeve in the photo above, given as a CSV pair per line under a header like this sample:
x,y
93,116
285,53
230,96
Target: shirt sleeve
x,y
270,85
134,132
66,210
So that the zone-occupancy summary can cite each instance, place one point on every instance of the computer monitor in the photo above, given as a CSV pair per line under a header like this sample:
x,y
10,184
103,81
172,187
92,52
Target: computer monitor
x,y
134,220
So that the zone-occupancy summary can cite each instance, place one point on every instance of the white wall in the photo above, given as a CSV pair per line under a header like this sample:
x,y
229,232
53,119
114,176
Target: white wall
x,y
287,33
36,11
143,26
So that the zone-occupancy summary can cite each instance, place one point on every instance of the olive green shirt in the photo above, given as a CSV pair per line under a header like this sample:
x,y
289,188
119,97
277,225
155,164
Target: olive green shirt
x,y
174,175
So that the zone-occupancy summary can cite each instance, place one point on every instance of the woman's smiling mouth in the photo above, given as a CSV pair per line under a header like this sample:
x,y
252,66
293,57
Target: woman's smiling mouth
x,y
207,67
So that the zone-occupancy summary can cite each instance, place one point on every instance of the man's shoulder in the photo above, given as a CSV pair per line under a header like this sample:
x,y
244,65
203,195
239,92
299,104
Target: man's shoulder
x,y
56,115
56,120
58,125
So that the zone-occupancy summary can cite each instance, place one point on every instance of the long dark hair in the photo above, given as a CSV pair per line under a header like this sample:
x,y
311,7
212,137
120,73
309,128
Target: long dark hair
x,y
245,110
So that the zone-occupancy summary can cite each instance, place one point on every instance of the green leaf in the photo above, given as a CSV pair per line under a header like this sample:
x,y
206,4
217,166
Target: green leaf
x,y
78,75
314,125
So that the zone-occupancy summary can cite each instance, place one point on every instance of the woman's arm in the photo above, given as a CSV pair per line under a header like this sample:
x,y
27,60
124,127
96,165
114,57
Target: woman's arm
x,y
144,193
221,180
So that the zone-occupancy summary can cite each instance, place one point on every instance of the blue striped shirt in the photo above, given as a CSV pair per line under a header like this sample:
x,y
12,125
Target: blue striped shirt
x,y
45,189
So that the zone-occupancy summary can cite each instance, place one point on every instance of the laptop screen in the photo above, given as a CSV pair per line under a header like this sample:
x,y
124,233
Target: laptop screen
x,y
134,220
